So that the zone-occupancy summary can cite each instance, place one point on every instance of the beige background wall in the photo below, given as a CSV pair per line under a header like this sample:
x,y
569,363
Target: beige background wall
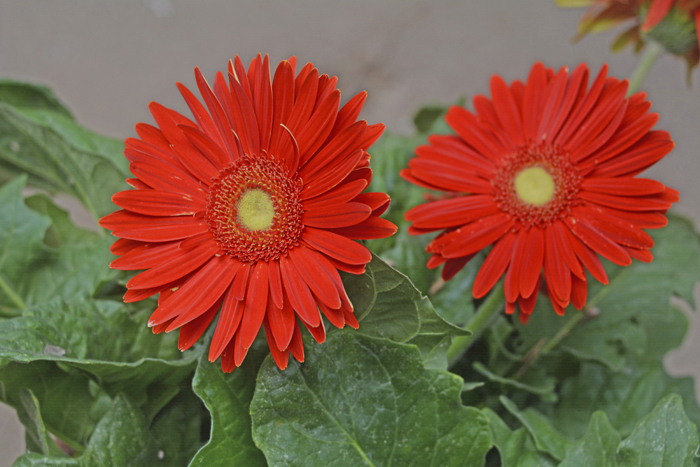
x,y
107,59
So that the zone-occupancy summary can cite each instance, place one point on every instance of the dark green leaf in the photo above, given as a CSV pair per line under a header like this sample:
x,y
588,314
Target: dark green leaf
x,y
664,438
396,310
625,396
177,429
121,439
81,334
360,400
62,229
61,156
516,448
37,440
598,447
21,243
32,96
32,273
63,398
227,396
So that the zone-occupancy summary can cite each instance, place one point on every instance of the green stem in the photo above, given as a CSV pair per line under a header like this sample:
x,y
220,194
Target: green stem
x,y
12,295
652,53
484,316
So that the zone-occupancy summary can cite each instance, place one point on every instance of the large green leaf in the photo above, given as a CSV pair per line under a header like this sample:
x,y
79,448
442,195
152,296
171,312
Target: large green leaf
x,y
21,244
104,339
63,398
121,439
38,137
31,271
359,400
36,436
597,447
623,327
227,396
625,396
516,448
32,96
388,305
664,438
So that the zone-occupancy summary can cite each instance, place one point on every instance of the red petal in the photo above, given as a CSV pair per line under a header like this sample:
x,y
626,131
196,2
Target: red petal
x,y
494,266
626,203
658,9
316,273
341,215
165,177
133,226
475,236
336,246
451,212
283,101
123,246
255,303
246,122
330,177
296,346
625,186
507,110
348,114
281,357
199,293
276,292
579,292
299,294
172,265
282,323
598,242
370,228
192,331
240,282
453,266
556,270
319,126
616,229
338,195
318,332
158,203
229,321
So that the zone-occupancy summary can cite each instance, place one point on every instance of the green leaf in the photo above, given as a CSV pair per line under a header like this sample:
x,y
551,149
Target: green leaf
x,y
61,156
21,243
360,400
547,439
622,328
625,396
121,439
597,447
32,273
227,396
388,305
664,438
177,429
62,229
516,448
81,334
32,96
36,437
63,398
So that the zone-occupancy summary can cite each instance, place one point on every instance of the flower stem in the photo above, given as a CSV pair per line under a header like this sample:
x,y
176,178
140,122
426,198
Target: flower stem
x,y
652,53
12,295
483,318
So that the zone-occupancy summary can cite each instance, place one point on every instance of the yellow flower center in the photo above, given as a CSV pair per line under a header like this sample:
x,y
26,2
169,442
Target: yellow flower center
x,y
255,210
534,185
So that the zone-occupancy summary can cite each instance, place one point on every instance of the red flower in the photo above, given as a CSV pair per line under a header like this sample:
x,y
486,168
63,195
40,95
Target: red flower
x,y
250,208
546,172
675,24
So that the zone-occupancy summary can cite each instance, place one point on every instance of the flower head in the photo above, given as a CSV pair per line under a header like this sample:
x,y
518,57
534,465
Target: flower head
x,y
675,24
250,209
545,172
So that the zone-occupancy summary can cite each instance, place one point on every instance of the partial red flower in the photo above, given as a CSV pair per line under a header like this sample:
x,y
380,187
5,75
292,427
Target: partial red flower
x,y
545,171
675,24
250,209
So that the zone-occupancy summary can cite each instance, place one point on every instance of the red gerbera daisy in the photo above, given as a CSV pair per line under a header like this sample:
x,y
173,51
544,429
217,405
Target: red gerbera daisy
x,y
675,24
544,172
250,208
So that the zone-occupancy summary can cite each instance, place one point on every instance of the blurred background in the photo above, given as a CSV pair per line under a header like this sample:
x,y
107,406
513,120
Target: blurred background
x,y
107,59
